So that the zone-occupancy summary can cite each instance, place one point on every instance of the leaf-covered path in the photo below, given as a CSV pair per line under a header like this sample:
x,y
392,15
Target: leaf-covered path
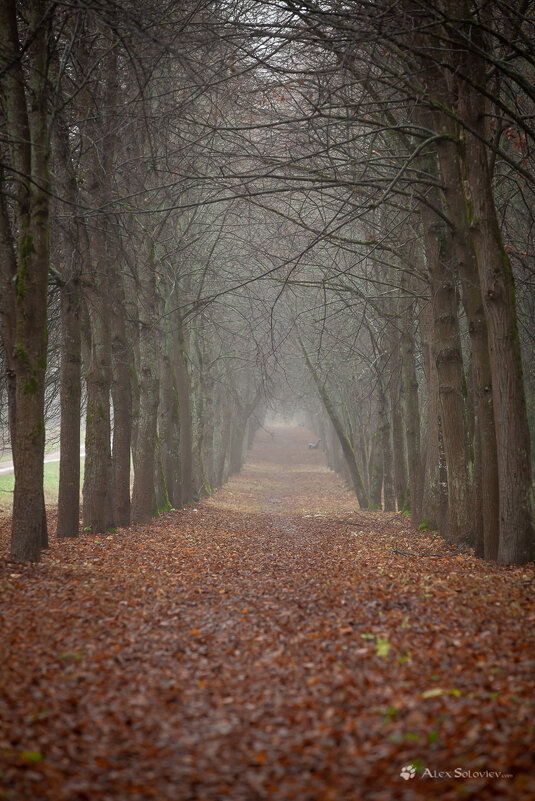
x,y
270,643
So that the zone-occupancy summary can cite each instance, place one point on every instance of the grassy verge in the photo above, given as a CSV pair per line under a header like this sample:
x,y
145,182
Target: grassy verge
x,y
51,486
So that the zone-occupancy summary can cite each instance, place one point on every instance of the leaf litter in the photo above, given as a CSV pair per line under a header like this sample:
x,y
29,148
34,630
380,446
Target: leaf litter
x,y
271,642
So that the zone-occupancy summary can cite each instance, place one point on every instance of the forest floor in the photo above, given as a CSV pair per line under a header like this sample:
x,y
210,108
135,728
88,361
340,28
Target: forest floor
x,y
271,642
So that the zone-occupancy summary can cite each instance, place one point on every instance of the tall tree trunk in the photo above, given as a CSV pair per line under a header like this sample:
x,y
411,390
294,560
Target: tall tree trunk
x,y
168,424
517,535
203,414
161,502
86,363
97,475
486,466
71,235
70,399
144,465
186,426
376,467
209,442
432,513
336,456
452,386
439,247
8,307
98,137
222,456
237,440
386,447
121,393
398,438
28,135
411,412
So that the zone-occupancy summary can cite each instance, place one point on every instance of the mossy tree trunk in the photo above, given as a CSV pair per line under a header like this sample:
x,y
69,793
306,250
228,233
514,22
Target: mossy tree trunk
x,y
438,239
486,466
451,379
24,100
517,535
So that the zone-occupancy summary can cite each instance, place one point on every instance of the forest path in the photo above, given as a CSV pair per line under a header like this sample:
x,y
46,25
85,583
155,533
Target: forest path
x,y
269,643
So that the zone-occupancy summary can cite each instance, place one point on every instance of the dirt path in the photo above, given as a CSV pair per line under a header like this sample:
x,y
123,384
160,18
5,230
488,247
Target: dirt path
x,y
271,642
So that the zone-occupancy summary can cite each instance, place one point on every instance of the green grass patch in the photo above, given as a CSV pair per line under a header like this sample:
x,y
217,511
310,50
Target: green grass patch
x,y
51,486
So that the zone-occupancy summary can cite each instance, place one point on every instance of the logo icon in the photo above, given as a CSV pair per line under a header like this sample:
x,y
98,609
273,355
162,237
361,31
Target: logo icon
x,y
408,772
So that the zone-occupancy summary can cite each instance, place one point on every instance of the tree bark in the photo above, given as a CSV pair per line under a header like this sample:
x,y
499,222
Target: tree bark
x,y
386,447
8,307
222,456
70,398
411,413
169,423
452,386
398,438
69,239
517,535
237,441
144,464
204,412
432,512
186,427
28,135
486,467
121,393
99,139
97,488
376,467
439,248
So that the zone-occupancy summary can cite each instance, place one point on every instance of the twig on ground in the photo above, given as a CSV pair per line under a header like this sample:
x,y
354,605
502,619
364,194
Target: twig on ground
x,y
422,555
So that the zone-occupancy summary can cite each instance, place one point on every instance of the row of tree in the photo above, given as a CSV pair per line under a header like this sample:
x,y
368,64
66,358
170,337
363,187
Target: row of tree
x,y
428,110
321,204
93,158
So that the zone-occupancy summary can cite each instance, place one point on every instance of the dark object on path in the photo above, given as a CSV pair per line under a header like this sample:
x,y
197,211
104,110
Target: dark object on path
x,y
314,445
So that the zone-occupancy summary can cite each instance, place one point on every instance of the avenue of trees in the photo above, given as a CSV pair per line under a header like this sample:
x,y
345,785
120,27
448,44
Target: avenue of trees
x,y
212,209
